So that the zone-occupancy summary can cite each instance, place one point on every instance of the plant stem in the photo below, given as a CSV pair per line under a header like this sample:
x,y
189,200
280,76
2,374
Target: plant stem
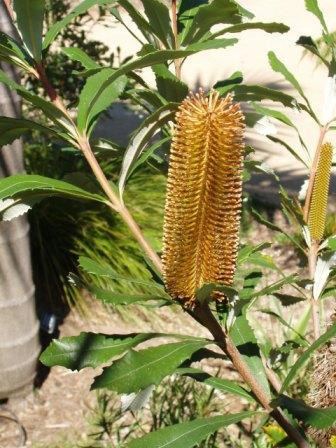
x,y
312,259
115,201
177,62
203,315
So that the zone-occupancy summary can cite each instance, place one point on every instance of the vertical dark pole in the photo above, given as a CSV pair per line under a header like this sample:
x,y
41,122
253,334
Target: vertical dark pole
x,y
19,342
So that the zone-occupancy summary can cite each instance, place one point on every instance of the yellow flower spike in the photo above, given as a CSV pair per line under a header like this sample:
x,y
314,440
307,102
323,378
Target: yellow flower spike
x,y
204,195
319,200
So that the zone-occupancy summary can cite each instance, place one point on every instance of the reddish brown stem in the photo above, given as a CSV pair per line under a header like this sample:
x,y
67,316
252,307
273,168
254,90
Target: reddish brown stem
x,y
177,62
203,315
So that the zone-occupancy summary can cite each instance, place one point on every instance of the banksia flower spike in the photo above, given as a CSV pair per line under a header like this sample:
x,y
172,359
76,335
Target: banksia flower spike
x,y
319,200
203,204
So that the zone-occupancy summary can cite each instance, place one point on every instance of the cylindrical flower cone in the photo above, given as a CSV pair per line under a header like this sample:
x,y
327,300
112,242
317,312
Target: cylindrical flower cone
x,y
204,196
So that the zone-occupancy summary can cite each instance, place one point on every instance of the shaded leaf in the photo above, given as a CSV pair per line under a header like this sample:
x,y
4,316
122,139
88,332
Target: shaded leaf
x,y
316,417
168,85
113,298
221,384
11,51
187,434
90,104
90,349
329,334
13,128
139,369
212,44
29,19
244,339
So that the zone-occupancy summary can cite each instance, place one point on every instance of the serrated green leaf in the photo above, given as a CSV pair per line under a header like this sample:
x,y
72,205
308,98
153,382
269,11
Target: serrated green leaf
x,y
224,385
187,434
13,128
228,84
158,17
259,93
274,287
330,333
139,369
90,349
92,267
315,417
313,7
57,27
90,104
113,298
218,11
76,54
29,19
23,186
272,27
244,339
168,85
212,44
186,14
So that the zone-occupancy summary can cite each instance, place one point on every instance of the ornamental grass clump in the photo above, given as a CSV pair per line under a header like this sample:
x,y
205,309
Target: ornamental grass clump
x,y
319,200
204,195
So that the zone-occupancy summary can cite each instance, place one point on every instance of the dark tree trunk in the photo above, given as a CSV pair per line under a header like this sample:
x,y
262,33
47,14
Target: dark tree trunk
x,y
19,342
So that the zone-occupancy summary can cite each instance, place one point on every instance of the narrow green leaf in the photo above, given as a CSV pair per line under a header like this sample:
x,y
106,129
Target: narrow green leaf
x,y
303,340
158,17
139,369
76,54
11,51
13,128
90,104
212,44
272,27
90,349
308,43
143,26
142,136
55,29
21,186
315,417
280,67
244,339
329,334
231,387
187,434
259,93
29,18
313,7
291,150
274,287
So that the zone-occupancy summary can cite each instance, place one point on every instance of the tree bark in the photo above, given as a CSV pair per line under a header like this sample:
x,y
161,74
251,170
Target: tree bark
x,y
19,339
